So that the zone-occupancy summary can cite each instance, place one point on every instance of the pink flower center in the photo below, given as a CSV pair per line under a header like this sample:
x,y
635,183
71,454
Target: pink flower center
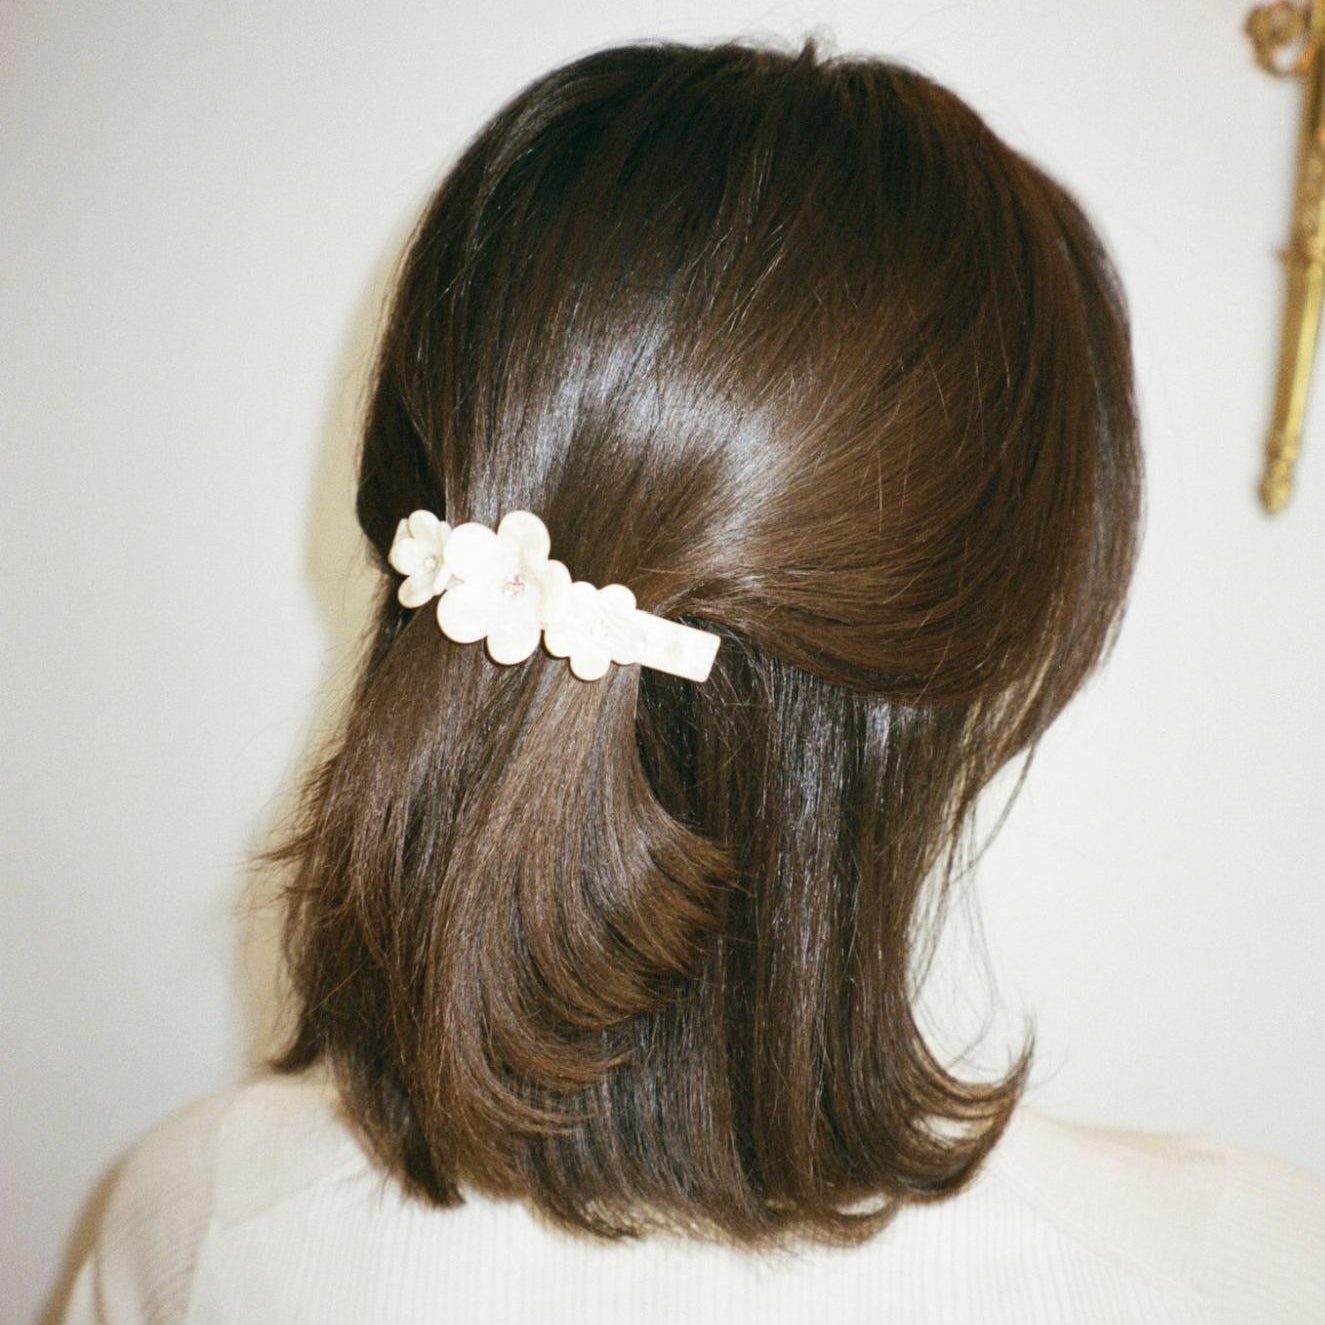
x,y
513,587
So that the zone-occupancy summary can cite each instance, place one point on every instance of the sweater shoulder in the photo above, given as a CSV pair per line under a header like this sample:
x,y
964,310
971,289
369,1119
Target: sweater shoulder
x,y
279,1136
1265,1255
217,1160
140,1267
1239,1233
240,1149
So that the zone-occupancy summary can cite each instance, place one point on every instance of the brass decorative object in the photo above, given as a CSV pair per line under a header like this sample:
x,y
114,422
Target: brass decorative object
x,y
1289,40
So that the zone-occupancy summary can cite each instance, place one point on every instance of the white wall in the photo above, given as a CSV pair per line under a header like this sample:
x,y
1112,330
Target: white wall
x,y
200,203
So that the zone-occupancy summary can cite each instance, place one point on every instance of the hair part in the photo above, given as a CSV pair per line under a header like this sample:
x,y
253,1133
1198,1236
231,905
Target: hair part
x,y
798,349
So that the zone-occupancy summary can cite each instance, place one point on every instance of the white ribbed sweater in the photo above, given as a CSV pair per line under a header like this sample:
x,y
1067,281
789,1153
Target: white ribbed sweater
x,y
257,1206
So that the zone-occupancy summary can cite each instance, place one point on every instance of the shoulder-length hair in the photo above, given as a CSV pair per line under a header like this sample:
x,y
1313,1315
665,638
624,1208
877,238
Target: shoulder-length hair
x,y
804,354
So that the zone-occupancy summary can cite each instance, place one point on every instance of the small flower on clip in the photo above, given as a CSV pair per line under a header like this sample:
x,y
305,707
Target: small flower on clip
x,y
506,586
595,628
419,553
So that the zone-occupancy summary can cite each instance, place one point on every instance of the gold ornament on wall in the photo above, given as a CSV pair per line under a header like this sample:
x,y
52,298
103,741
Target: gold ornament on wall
x,y
1288,40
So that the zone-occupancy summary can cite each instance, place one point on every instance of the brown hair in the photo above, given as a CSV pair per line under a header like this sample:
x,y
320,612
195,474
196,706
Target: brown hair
x,y
800,351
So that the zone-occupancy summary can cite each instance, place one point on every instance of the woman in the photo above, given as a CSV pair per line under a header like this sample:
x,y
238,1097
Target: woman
x,y
604,906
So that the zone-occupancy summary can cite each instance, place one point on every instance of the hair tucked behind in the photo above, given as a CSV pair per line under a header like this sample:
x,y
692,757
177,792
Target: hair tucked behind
x,y
800,351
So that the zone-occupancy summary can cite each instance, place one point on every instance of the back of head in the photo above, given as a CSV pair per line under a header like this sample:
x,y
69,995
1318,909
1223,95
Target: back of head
x,y
801,352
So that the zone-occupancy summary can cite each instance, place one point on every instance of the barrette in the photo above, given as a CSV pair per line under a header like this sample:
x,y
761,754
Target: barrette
x,y
501,586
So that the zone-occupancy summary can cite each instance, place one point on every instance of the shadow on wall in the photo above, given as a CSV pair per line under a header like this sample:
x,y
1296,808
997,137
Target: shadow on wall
x,y
342,582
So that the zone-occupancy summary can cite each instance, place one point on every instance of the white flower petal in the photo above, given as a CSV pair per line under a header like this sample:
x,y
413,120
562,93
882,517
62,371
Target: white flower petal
x,y
589,663
526,535
463,613
513,638
416,590
571,625
617,598
408,555
474,553
583,598
554,587
560,637
426,527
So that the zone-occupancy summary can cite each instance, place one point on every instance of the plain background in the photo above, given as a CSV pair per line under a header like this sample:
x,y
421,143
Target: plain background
x,y
201,203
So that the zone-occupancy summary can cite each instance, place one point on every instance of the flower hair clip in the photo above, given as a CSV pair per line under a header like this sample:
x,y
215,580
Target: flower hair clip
x,y
501,586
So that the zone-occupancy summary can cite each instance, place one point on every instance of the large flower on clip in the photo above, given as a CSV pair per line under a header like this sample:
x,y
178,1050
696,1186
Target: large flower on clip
x,y
506,587
595,628
418,552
